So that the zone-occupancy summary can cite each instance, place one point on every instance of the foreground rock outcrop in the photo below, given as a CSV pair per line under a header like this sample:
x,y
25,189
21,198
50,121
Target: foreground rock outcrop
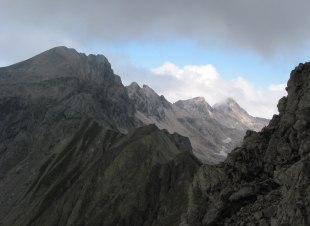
x,y
101,177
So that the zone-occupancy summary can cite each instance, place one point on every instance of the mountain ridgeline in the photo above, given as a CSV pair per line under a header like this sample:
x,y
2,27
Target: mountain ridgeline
x,y
213,132
79,148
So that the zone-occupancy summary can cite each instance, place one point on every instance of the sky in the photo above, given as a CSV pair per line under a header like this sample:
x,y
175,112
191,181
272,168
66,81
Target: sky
x,y
244,49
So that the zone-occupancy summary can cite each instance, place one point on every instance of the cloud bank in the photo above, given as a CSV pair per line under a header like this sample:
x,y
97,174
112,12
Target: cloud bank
x,y
264,26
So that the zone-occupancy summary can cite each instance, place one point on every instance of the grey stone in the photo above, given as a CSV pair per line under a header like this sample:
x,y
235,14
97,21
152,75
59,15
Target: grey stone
x,y
300,124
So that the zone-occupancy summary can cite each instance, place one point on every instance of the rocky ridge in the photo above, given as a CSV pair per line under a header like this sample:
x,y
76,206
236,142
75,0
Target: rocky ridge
x,y
213,131
102,177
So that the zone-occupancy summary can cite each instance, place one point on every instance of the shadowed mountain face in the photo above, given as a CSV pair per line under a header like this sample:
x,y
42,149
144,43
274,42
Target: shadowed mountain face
x,y
43,102
64,78
101,177
64,161
213,131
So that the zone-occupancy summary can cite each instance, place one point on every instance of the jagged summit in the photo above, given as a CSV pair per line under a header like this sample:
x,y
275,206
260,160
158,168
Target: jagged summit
x,y
193,101
134,85
60,62
83,85
198,100
149,91
70,54
229,110
197,104
229,104
146,100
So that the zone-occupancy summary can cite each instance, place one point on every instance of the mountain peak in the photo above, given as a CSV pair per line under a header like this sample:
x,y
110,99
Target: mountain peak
x,y
193,101
199,100
229,105
63,62
198,104
230,100
135,85
63,50
146,100
149,91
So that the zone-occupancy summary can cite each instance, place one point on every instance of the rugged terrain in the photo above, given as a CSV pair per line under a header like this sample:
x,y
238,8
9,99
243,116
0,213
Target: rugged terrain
x,y
213,131
65,159
266,180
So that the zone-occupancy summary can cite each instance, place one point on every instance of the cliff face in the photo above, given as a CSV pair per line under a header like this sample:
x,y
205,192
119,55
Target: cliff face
x,y
266,180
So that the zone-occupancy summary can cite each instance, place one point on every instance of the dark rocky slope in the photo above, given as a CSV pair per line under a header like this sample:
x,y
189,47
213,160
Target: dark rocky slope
x,y
42,103
102,177
266,180
63,160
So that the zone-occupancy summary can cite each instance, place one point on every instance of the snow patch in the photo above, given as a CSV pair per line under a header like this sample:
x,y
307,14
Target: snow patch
x,y
223,152
227,140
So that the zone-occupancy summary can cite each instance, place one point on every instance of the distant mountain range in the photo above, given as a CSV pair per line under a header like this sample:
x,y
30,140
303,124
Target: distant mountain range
x,y
213,131
78,148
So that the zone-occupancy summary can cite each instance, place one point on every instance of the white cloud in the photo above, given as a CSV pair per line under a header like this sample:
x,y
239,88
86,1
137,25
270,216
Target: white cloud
x,y
202,74
277,87
265,27
168,68
204,80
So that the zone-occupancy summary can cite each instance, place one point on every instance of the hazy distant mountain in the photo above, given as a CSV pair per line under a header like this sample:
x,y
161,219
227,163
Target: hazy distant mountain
x,y
213,132
232,115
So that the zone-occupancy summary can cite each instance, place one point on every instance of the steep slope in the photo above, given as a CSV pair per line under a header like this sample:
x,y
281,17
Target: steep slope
x,y
147,101
63,160
101,177
42,103
266,180
212,132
